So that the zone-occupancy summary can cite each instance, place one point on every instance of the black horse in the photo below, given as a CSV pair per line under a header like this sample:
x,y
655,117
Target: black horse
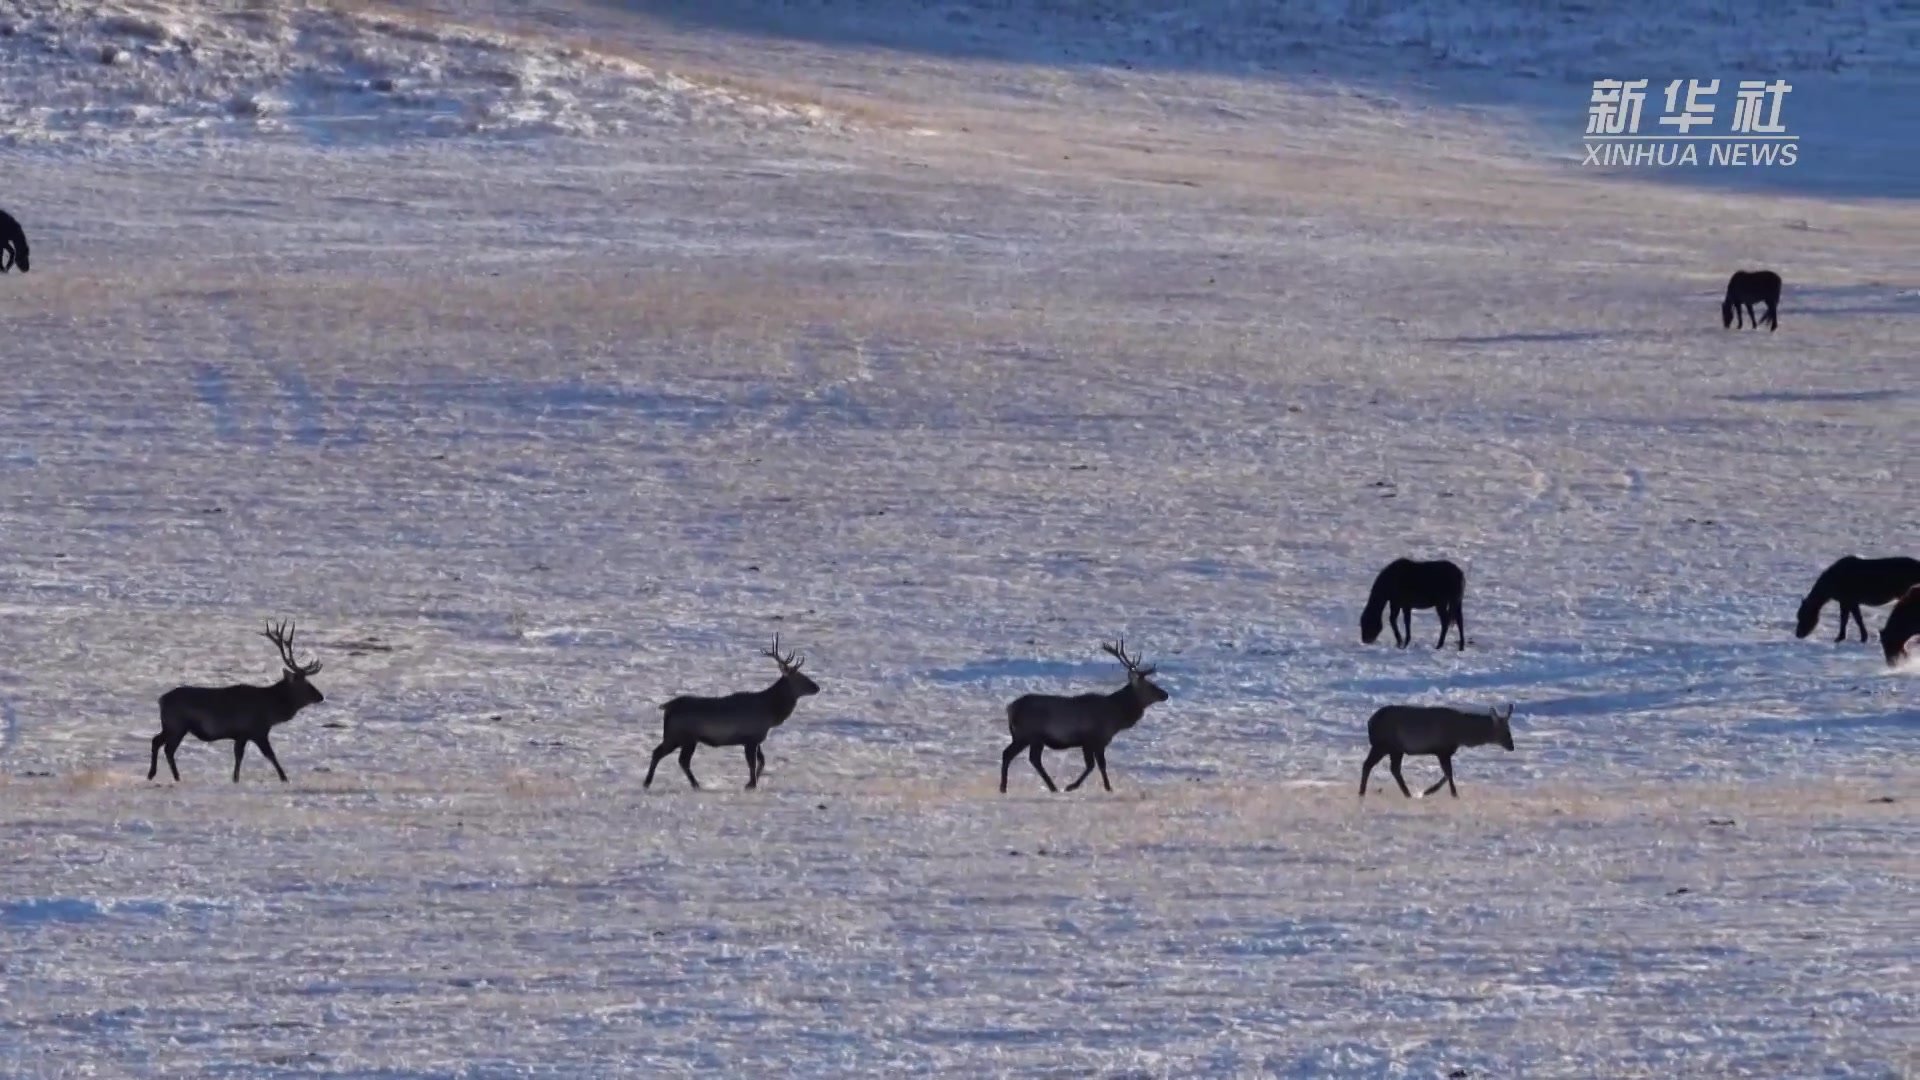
x,y
1854,581
1903,624
1407,584
1747,288
13,243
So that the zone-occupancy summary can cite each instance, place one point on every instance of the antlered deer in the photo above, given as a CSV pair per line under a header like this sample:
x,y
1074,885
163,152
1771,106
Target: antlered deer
x,y
243,713
738,719
1040,722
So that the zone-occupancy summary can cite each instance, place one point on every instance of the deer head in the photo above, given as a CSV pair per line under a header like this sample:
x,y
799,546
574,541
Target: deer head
x,y
1137,676
296,673
790,670
1500,724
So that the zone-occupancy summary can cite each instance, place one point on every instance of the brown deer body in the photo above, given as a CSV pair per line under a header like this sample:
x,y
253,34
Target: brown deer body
x,y
243,713
739,719
1041,722
1398,730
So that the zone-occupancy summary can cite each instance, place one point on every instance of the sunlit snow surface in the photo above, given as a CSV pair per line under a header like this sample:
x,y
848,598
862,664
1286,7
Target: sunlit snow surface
x,y
946,367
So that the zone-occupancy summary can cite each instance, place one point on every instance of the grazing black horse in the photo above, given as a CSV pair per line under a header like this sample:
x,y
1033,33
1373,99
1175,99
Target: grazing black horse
x,y
1903,624
1854,581
1747,288
1407,584
13,243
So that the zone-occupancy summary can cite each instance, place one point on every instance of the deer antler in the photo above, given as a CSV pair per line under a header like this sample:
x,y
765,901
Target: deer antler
x,y
787,662
1119,651
282,638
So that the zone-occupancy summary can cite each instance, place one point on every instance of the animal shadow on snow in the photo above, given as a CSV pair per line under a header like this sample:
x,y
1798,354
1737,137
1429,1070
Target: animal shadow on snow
x,y
1536,337
1846,301
1899,720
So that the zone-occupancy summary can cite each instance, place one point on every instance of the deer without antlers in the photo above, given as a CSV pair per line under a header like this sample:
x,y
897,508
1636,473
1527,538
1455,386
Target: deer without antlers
x,y
1394,731
243,713
1040,722
738,719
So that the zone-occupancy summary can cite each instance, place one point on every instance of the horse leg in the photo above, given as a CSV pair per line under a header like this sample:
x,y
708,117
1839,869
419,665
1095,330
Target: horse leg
x,y
1459,626
1857,621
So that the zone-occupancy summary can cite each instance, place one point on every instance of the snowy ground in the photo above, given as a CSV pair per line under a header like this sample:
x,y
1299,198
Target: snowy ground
x,y
538,400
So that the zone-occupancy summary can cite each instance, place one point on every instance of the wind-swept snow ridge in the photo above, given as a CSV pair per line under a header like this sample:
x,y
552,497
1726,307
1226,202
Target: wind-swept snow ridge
x,y
89,72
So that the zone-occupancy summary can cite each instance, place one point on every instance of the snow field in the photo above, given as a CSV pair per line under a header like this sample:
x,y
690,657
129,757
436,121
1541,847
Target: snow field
x,y
530,435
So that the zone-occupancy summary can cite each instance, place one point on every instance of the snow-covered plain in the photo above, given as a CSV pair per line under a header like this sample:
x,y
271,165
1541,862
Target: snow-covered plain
x,y
612,338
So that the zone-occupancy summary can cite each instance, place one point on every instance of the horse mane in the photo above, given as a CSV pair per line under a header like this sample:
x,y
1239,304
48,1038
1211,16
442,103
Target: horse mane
x,y
1382,590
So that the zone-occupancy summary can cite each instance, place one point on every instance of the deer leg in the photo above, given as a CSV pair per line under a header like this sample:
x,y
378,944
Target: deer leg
x,y
1373,758
760,756
1446,769
1086,755
686,762
239,751
153,770
1033,755
1393,763
659,753
173,743
1006,761
1100,759
753,766
267,749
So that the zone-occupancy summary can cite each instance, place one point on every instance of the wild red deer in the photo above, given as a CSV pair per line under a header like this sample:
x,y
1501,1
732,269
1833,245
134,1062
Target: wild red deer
x,y
1398,730
243,713
1040,722
738,719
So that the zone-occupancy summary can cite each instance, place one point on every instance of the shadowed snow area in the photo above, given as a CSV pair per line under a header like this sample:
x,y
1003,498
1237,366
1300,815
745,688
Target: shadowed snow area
x,y
543,360
82,72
